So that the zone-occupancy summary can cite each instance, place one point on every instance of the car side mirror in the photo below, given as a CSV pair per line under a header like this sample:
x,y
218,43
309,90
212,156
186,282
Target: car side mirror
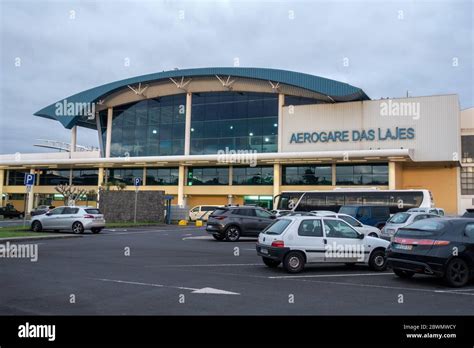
x,y
48,213
273,217
361,236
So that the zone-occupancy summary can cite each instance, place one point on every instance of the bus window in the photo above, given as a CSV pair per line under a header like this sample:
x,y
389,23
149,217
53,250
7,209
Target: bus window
x,y
288,200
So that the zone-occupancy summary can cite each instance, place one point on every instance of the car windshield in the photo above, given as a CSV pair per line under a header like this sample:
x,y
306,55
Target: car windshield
x,y
422,228
348,210
350,220
399,218
277,227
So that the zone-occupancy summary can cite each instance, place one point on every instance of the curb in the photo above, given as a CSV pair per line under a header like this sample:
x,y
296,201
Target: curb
x,y
31,238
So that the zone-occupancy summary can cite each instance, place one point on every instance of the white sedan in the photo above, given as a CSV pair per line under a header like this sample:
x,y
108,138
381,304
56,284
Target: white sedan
x,y
368,230
299,240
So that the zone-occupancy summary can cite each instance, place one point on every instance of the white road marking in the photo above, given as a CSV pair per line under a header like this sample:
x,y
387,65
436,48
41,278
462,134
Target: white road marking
x,y
197,237
205,290
217,265
214,292
383,287
331,275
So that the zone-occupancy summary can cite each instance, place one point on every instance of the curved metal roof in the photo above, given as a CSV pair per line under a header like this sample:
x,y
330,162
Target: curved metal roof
x,y
338,91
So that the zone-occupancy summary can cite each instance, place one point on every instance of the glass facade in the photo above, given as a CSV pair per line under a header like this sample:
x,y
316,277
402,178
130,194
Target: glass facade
x,y
152,127
125,176
262,175
307,175
54,177
292,100
15,177
161,176
234,120
362,174
467,180
208,176
82,177
467,146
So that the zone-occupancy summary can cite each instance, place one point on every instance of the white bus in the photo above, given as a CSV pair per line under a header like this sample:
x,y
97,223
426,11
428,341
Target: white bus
x,y
397,200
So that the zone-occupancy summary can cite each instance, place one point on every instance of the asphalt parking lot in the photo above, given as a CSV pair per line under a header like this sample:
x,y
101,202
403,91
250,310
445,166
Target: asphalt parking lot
x,y
181,270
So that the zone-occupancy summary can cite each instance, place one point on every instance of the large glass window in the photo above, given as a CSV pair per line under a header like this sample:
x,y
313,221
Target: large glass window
x,y
54,177
362,174
85,177
152,127
262,175
467,145
125,176
162,176
467,180
208,176
234,120
307,175
15,177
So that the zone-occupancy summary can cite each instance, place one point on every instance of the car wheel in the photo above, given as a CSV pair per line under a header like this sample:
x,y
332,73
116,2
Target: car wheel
x,y
377,260
77,227
373,234
96,230
293,262
457,273
402,273
36,226
270,263
218,236
232,234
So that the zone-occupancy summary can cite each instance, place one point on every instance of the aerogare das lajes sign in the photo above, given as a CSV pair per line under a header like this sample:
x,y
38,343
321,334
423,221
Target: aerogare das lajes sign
x,y
372,134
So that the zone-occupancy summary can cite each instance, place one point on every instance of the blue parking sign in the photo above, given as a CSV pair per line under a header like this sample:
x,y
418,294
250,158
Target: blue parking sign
x,y
29,179
137,181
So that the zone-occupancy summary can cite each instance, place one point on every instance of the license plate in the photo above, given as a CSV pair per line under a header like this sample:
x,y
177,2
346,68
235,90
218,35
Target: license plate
x,y
404,246
264,251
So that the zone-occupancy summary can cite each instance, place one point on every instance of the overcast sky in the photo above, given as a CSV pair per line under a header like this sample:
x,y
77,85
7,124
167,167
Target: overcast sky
x,y
52,49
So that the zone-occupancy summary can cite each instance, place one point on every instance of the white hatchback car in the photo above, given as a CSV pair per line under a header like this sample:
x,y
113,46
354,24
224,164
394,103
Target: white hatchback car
x,y
368,230
298,240
75,219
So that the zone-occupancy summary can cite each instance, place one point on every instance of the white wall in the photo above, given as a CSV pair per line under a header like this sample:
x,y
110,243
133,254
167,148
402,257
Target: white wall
x,y
436,125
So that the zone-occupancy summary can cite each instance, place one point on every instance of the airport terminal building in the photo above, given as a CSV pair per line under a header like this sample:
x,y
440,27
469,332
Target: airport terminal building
x,y
243,135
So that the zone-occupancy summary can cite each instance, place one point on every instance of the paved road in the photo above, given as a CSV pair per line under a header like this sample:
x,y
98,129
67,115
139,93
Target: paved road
x,y
174,270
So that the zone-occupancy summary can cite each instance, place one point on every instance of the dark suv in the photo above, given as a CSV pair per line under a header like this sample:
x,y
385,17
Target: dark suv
x,y
230,223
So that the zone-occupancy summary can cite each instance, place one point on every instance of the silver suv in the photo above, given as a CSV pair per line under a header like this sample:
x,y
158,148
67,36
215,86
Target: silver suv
x,y
75,219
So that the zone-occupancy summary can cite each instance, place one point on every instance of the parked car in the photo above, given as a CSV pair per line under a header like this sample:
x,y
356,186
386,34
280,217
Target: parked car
x,y
75,219
436,211
400,220
10,212
372,215
201,212
359,226
296,241
232,222
469,213
41,209
442,247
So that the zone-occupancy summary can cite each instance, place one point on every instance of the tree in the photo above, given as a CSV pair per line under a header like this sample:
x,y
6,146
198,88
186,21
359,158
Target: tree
x,y
70,193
